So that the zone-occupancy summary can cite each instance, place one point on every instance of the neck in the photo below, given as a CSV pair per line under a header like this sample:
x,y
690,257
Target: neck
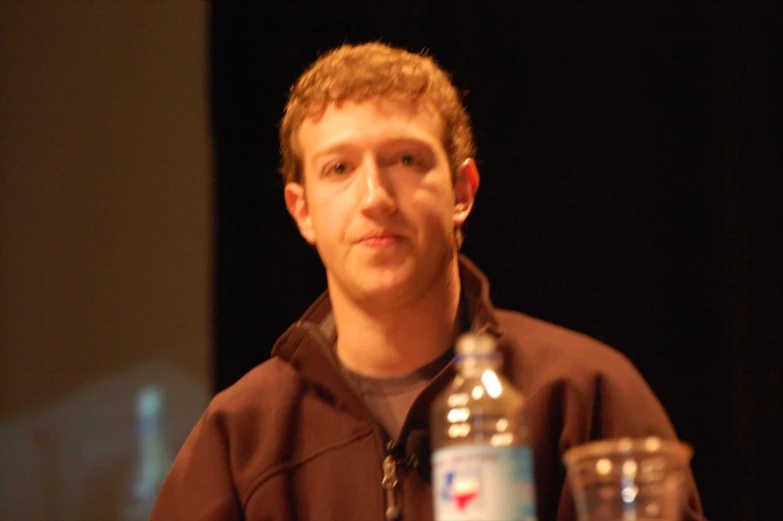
x,y
394,341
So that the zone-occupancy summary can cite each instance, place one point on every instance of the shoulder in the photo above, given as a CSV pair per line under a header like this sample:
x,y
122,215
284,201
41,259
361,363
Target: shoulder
x,y
263,389
548,342
554,353
252,410
245,426
554,364
241,436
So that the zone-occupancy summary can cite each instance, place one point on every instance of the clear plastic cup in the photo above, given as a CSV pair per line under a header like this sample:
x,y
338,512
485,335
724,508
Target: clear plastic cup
x,y
628,479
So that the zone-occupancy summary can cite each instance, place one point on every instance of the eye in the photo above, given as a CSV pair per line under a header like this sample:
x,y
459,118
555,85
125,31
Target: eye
x,y
408,160
338,168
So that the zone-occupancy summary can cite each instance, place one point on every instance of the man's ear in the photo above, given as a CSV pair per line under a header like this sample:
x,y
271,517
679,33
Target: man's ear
x,y
296,202
466,183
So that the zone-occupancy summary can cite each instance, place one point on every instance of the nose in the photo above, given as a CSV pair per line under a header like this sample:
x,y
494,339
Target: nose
x,y
377,193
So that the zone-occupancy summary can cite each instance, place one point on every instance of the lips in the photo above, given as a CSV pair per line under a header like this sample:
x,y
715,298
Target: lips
x,y
379,239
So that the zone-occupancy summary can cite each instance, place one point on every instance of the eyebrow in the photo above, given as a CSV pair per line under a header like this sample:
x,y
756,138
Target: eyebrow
x,y
337,147
393,142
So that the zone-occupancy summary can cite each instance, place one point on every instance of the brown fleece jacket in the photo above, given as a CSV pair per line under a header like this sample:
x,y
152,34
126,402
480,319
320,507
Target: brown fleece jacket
x,y
292,441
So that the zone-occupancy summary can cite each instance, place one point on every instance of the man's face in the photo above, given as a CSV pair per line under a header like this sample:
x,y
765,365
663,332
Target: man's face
x,y
378,200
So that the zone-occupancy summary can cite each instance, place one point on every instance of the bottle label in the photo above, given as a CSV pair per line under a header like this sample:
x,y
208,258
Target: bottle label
x,y
482,482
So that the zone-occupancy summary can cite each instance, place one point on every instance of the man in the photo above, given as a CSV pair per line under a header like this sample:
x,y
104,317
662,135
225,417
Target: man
x,y
377,158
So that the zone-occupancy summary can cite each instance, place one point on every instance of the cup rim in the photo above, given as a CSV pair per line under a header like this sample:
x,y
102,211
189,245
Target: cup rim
x,y
627,446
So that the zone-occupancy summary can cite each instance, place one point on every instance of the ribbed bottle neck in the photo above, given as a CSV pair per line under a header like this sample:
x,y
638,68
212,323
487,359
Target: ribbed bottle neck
x,y
474,364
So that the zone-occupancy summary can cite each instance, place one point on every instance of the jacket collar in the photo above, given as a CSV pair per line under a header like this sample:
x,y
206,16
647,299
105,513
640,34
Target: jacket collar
x,y
308,344
475,292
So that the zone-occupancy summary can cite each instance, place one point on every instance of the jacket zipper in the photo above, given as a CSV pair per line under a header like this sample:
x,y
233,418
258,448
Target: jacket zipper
x,y
390,480
389,484
390,461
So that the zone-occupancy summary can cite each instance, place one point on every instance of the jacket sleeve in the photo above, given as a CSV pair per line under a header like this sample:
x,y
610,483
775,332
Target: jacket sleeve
x,y
620,403
199,486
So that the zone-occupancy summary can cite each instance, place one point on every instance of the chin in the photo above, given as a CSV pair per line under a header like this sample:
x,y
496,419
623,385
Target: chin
x,y
390,290
394,291
390,285
386,298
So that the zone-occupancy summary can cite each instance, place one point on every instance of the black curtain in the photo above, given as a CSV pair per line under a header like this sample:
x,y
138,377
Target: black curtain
x,y
631,189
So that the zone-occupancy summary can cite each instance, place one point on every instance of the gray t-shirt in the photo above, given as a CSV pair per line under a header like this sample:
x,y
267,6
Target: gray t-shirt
x,y
390,399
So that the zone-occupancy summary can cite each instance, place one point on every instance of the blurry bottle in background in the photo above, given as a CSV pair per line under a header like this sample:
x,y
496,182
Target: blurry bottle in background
x,y
482,461
153,457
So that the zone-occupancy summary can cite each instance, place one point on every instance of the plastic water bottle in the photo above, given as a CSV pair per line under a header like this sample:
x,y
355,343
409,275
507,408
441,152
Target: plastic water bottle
x,y
482,462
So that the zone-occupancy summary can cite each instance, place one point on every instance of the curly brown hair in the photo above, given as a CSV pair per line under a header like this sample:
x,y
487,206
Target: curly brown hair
x,y
359,72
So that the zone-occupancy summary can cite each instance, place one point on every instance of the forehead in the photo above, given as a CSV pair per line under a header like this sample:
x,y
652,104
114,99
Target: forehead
x,y
370,122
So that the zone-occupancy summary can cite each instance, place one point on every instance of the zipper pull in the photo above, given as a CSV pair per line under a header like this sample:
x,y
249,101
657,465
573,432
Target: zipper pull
x,y
389,483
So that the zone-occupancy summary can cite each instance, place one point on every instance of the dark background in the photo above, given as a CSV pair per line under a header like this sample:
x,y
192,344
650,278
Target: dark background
x,y
631,189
